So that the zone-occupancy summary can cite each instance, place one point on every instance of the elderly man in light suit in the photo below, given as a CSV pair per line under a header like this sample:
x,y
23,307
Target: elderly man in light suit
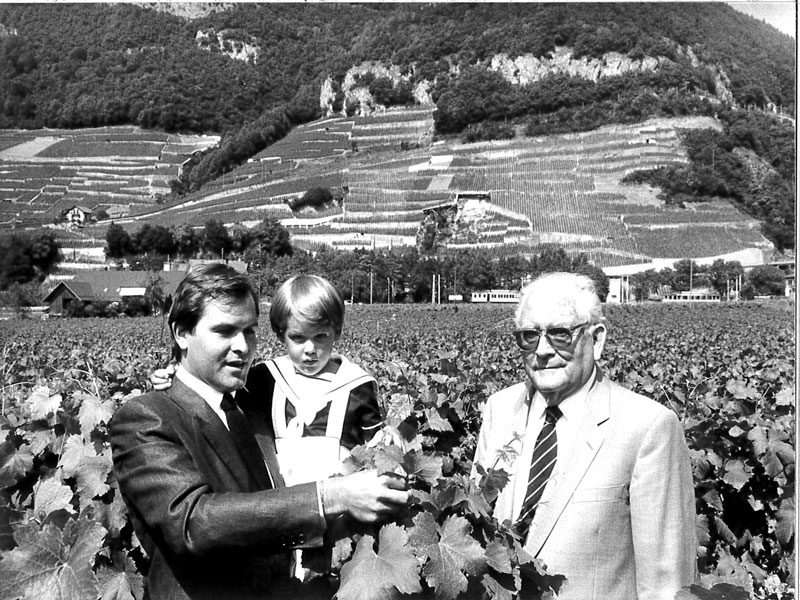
x,y
607,498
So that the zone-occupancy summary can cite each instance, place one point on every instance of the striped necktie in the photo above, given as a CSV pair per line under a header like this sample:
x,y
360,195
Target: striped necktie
x,y
544,459
245,441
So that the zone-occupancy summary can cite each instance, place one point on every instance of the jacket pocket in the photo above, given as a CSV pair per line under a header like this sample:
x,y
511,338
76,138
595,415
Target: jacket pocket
x,y
609,493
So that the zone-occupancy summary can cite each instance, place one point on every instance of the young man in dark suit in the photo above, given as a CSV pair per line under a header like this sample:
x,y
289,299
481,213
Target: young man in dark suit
x,y
201,479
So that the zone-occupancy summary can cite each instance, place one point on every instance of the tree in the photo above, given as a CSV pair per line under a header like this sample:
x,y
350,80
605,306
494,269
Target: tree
x,y
45,253
722,274
118,241
271,238
215,238
645,284
766,280
155,239
599,278
187,241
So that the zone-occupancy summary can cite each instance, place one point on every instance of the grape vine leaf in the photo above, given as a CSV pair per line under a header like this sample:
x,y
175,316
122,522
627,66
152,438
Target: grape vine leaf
x,y
40,403
92,412
51,564
497,556
90,470
450,552
423,466
50,495
740,390
736,473
125,585
435,421
785,397
371,576
721,591
16,462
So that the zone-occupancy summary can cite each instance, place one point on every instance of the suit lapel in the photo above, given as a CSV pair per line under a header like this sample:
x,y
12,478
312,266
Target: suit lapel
x,y
590,438
213,430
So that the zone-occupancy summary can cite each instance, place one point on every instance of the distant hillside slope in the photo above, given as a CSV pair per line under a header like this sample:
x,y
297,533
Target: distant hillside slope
x,y
43,173
506,197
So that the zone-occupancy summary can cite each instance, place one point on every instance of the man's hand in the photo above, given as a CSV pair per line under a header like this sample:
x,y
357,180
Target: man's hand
x,y
364,496
162,378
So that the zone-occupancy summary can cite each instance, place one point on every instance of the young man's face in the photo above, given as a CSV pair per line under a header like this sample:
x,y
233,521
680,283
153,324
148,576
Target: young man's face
x,y
309,346
220,349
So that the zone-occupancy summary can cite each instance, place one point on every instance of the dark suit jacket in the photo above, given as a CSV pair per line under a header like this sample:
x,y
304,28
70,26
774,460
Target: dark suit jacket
x,y
208,529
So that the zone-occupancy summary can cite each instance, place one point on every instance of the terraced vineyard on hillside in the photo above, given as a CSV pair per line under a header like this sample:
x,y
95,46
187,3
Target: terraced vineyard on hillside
x,y
114,169
504,196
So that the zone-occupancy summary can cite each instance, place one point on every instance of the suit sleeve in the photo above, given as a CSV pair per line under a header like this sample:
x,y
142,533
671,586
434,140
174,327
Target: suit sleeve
x,y
662,511
172,499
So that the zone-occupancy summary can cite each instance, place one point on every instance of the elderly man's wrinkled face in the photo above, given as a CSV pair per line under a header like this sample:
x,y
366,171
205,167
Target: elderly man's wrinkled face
x,y
563,357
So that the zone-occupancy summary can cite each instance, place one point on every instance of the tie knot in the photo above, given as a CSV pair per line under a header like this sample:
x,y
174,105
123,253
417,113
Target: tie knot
x,y
228,403
552,414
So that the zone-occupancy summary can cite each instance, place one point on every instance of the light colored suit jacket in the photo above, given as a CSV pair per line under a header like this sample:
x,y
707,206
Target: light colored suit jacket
x,y
211,531
619,522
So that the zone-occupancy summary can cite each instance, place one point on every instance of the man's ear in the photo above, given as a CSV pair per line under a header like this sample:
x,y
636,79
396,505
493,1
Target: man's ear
x,y
179,333
599,339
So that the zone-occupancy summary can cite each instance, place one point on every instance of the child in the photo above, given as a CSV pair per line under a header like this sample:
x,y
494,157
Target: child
x,y
322,405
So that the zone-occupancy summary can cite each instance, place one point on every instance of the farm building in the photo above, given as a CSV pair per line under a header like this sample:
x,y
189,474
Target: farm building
x,y
107,287
78,215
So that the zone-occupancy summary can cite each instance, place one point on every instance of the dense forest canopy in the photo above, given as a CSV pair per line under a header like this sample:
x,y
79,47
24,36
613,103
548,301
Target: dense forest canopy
x,y
77,65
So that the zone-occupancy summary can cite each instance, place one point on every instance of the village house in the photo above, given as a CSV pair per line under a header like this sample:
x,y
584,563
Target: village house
x,y
107,288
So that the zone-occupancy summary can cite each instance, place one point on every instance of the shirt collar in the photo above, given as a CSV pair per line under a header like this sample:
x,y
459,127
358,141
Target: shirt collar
x,y
572,406
201,388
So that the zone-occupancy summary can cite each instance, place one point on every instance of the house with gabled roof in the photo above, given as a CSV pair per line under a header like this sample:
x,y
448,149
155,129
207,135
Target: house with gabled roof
x,y
107,288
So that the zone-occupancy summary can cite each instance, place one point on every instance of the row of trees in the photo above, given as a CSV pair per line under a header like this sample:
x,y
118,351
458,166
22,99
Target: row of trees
x,y
721,276
151,245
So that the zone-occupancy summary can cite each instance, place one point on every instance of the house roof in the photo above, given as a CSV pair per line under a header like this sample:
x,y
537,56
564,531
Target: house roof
x,y
105,286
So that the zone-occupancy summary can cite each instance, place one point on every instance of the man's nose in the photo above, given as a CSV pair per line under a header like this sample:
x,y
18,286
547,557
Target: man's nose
x,y
543,347
240,343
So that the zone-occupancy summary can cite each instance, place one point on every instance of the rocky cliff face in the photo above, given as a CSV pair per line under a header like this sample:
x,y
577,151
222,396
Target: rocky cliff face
x,y
226,43
522,70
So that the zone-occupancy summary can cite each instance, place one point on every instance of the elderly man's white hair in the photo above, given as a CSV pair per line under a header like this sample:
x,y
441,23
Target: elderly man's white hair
x,y
578,290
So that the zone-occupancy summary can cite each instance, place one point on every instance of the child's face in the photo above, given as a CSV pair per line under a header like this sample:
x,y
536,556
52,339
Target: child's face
x,y
309,346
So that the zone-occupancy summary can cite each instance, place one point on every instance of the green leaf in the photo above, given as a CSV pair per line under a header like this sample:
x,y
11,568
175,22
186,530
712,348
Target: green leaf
x,y
125,585
450,551
740,390
371,576
435,420
14,463
90,470
49,496
785,397
50,564
423,466
736,473
721,591
92,412
498,556
41,404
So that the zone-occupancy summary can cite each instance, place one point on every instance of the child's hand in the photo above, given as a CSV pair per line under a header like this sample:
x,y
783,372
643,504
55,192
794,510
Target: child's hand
x,y
162,378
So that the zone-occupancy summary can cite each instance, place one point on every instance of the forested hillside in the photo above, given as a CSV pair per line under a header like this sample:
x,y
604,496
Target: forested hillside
x,y
97,64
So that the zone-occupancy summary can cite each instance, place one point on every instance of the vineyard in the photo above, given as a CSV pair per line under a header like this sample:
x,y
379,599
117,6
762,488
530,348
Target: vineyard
x,y
563,189
112,168
726,370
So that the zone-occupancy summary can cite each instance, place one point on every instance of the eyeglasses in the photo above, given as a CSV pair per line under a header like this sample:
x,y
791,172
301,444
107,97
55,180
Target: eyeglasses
x,y
559,338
